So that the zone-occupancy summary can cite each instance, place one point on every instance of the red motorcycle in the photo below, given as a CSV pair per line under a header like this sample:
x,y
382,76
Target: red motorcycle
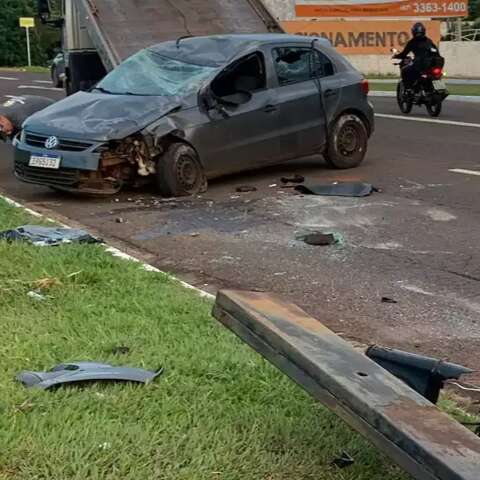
x,y
429,90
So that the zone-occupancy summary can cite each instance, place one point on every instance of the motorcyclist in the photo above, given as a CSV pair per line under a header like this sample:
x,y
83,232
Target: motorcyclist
x,y
424,51
16,110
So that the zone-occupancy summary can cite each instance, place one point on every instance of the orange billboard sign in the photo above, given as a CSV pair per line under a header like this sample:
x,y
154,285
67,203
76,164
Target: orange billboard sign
x,y
381,8
361,37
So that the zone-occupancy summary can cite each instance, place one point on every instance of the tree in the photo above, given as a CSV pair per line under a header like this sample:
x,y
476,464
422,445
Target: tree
x,y
473,9
13,50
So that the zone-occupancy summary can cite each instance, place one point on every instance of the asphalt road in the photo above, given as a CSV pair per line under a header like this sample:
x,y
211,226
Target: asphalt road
x,y
416,242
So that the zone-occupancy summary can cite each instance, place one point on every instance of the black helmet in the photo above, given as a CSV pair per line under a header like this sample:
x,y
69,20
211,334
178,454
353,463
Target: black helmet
x,y
419,30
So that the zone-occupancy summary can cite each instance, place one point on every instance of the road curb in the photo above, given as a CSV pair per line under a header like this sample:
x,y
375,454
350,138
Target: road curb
x,y
452,98
114,251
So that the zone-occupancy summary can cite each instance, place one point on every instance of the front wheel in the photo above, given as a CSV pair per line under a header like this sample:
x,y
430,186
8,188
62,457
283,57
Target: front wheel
x,y
347,142
434,109
179,172
404,101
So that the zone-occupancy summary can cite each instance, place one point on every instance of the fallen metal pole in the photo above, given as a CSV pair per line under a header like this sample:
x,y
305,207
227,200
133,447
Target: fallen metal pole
x,y
421,439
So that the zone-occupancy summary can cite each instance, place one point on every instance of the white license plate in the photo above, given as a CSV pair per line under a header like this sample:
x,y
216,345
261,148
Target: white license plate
x,y
439,85
45,161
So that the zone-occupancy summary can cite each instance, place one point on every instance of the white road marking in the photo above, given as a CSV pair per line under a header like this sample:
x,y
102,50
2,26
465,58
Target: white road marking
x,y
38,87
115,251
8,78
465,172
43,81
450,98
427,120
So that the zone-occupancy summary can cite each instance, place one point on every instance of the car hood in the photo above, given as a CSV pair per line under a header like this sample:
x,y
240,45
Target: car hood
x,y
99,116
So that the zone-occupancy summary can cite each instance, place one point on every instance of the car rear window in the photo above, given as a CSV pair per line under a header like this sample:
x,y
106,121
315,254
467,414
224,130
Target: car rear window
x,y
296,64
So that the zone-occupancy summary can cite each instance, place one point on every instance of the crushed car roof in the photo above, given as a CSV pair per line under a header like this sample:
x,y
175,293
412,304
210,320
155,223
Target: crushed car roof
x,y
217,50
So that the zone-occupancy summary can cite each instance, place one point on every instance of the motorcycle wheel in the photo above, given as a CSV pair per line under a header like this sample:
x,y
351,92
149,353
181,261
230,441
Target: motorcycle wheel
x,y
405,104
434,109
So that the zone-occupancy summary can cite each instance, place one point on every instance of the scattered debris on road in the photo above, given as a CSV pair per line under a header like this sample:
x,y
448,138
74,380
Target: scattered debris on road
x,y
47,236
295,179
355,189
389,300
119,220
344,460
76,372
318,238
246,189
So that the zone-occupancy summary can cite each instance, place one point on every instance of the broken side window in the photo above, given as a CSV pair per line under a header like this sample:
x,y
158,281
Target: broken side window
x,y
244,75
294,64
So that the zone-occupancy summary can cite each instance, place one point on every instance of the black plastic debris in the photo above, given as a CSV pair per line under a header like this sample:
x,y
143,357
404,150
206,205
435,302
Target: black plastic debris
x,y
47,236
121,350
319,239
246,189
344,461
80,372
295,179
356,189
424,374
388,300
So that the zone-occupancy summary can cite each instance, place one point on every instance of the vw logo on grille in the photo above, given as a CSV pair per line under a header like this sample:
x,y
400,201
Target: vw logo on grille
x,y
51,142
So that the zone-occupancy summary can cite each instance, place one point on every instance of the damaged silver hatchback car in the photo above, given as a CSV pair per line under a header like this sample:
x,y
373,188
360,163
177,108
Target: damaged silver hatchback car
x,y
185,111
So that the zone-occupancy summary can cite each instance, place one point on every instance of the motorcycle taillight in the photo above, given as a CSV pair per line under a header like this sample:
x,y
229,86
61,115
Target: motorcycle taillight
x,y
437,72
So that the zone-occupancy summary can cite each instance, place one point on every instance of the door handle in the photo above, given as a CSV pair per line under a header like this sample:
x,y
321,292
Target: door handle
x,y
270,109
330,92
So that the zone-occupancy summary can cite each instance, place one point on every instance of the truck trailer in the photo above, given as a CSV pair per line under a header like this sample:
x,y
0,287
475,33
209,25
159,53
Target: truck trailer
x,y
97,35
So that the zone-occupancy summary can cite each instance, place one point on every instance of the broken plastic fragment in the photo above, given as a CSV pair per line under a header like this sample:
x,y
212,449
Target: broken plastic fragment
x,y
319,239
338,189
246,189
85,372
47,236
344,461
295,179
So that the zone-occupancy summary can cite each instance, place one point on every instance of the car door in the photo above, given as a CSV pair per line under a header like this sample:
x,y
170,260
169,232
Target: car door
x,y
297,92
331,85
238,137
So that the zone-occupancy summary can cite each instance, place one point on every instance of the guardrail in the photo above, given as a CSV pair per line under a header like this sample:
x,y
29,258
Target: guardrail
x,y
470,35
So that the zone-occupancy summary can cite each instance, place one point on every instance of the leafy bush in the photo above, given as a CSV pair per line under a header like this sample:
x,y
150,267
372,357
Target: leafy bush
x,y
43,39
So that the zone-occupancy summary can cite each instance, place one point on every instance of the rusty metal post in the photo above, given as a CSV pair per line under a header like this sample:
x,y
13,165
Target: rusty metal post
x,y
421,439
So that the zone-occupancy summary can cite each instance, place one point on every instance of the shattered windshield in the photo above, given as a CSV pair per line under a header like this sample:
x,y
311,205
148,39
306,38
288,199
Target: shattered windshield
x,y
149,73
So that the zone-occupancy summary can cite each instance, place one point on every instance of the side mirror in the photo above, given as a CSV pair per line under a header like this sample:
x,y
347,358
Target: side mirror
x,y
236,99
44,9
205,99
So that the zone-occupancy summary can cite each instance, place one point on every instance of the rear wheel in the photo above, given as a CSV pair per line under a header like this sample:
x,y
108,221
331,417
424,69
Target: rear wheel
x,y
434,109
347,142
405,103
179,172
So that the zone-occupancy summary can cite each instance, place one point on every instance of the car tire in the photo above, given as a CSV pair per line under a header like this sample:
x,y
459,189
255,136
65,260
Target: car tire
x,y
347,142
179,172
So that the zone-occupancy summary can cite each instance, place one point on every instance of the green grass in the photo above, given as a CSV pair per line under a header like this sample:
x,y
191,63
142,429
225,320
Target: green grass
x,y
454,89
33,69
218,412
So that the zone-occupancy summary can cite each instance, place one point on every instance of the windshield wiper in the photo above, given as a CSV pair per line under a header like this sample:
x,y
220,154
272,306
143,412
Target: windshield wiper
x,y
103,90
